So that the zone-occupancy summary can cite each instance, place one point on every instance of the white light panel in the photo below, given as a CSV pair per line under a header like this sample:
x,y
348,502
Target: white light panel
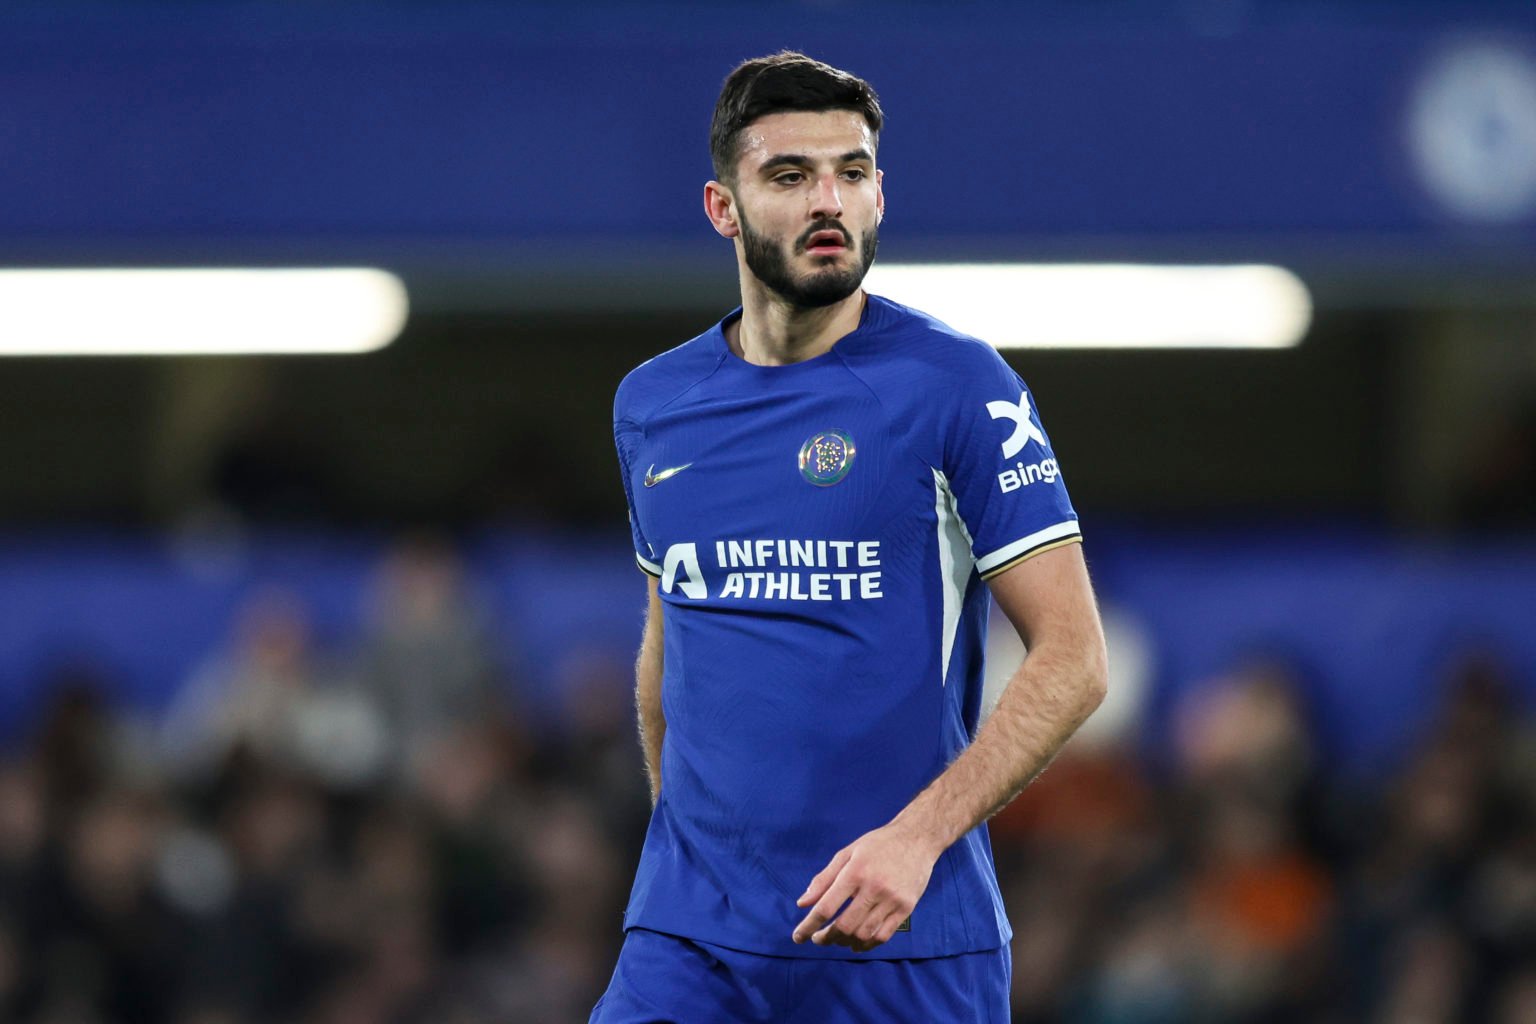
x,y
1109,305
226,311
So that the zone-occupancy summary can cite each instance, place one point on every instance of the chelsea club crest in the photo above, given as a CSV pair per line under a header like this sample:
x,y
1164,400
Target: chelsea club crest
x,y
826,457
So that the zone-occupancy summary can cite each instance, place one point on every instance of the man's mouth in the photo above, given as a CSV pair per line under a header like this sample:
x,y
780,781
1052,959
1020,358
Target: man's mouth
x,y
826,242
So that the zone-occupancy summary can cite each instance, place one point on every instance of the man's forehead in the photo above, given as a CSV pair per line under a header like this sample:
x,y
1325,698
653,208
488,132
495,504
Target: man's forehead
x,y
812,133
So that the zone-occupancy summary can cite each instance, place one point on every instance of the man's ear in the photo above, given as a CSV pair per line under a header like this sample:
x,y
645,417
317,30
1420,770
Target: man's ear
x,y
720,208
879,196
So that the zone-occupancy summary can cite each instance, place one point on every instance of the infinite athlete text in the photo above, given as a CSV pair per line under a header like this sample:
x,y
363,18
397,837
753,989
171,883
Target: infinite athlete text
x,y
775,564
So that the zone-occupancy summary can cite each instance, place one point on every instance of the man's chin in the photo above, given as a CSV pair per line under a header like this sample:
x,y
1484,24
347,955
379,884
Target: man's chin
x,y
824,289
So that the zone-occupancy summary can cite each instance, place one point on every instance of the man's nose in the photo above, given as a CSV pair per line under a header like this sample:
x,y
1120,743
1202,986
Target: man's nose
x,y
826,201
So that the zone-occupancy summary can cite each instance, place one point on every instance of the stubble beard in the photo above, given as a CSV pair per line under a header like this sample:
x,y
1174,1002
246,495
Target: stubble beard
x,y
768,262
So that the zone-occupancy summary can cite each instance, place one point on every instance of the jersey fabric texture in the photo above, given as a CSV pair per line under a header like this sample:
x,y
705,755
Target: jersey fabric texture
x,y
666,978
820,532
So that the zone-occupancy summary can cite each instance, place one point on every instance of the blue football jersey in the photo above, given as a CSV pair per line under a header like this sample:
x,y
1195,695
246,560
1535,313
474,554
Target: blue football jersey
x,y
820,532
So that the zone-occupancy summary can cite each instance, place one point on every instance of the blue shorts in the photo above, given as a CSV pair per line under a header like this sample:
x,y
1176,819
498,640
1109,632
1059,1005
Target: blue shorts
x,y
664,979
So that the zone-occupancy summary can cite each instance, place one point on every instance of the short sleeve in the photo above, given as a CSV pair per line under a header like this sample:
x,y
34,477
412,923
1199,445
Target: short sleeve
x,y
626,436
1001,472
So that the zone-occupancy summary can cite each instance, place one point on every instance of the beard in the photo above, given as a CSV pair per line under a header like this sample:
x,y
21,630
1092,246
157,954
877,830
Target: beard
x,y
769,264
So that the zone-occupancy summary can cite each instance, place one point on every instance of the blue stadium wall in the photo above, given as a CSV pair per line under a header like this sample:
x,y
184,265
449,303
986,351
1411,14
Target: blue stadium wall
x,y
1373,626
1364,132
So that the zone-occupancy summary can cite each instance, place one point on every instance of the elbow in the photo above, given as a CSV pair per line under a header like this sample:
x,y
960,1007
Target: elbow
x,y
1095,677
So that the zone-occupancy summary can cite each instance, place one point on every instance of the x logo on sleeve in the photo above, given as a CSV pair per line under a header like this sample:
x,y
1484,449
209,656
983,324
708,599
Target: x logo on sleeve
x,y
1024,430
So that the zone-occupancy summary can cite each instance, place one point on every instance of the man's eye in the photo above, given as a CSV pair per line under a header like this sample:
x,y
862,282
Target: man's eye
x,y
793,178
854,174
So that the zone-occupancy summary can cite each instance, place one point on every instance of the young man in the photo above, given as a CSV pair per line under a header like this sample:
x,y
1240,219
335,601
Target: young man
x,y
817,487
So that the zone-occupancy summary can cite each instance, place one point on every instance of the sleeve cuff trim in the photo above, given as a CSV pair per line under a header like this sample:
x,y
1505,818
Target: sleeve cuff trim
x,y
1010,554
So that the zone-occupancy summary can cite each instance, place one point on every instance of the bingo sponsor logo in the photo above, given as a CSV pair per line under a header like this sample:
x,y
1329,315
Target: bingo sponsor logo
x,y
1024,431
1023,475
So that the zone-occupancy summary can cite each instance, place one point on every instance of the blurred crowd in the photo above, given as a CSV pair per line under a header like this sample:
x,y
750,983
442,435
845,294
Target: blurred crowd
x,y
310,836
1244,880
379,834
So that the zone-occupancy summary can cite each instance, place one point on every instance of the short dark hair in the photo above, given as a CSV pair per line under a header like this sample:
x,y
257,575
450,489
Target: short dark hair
x,y
786,80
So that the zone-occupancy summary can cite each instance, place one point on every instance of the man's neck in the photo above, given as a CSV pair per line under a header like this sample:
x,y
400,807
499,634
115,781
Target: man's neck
x,y
771,332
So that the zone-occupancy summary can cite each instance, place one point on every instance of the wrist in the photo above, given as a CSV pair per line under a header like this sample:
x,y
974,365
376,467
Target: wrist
x,y
919,827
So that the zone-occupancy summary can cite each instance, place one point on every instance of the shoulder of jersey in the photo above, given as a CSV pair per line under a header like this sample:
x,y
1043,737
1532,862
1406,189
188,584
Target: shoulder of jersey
x,y
938,349
662,378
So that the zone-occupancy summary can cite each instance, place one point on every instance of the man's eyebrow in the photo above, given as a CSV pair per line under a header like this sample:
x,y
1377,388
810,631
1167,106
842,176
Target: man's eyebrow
x,y
801,160
785,159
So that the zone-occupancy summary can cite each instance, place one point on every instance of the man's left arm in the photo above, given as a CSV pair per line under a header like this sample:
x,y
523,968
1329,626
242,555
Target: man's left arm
x,y
883,873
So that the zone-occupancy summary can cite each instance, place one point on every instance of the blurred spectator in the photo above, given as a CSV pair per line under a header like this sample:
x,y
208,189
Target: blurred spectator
x,y
599,750
555,969
1259,903
1249,729
1429,977
1146,973
272,697
475,796
1516,1001
24,909
109,943
80,745
427,658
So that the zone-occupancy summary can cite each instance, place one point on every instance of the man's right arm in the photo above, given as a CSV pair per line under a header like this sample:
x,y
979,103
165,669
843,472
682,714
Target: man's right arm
x,y
653,724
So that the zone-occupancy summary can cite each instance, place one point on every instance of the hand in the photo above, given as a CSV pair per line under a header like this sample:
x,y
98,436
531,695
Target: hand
x,y
881,876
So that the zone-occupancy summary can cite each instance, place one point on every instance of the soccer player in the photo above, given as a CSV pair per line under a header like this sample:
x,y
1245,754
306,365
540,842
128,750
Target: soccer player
x,y
818,487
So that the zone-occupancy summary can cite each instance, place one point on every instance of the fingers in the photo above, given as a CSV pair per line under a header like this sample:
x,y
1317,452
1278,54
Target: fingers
x,y
875,932
875,927
826,909
854,903
823,879
850,925
887,927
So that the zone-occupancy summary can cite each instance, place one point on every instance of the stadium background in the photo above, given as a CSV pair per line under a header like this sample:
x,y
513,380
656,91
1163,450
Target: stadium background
x,y
314,670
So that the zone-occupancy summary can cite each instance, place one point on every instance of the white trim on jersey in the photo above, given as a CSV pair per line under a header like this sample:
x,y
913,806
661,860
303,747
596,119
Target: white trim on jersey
x,y
650,567
955,563
1023,545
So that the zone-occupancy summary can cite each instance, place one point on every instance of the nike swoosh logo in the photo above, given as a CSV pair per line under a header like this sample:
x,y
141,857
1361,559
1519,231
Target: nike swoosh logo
x,y
653,478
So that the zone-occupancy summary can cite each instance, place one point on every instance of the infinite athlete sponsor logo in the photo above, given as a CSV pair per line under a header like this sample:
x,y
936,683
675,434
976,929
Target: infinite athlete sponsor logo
x,y
826,457
776,569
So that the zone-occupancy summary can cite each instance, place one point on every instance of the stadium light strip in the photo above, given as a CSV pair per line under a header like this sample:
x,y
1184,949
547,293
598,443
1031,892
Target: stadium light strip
x,y
224,311
1109,305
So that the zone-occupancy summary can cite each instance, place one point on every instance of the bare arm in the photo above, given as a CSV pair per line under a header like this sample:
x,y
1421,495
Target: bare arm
x,y
1059,684
653,725
883,873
